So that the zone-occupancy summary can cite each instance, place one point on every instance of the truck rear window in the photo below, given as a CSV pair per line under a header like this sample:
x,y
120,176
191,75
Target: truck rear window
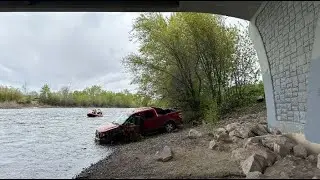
x,y
148,114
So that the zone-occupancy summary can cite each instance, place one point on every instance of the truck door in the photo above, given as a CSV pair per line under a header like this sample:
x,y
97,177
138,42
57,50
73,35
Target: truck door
x,y
131,129
150,118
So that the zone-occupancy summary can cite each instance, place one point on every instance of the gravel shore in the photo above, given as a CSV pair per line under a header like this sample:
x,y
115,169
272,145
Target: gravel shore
x,y
136,160
192,157
252,149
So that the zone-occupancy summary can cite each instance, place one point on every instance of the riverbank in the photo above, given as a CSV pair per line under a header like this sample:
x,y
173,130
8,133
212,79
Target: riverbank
x,y
211,153
136,160
15,105
192,157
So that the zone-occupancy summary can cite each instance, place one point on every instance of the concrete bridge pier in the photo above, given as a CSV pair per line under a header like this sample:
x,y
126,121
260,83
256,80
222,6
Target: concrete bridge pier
x,y
286,36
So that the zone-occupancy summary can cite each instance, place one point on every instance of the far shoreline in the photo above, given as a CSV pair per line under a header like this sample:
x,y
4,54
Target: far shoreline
x,y
14,105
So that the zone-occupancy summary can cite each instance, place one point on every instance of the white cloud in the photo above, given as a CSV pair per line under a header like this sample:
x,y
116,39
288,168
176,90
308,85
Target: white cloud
x,y
80,49
63,48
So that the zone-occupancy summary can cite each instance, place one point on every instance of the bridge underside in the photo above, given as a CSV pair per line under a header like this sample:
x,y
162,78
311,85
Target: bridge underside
x,y
240,9
285,35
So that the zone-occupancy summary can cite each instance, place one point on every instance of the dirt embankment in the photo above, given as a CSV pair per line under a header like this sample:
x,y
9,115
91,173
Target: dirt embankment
x,y
242,148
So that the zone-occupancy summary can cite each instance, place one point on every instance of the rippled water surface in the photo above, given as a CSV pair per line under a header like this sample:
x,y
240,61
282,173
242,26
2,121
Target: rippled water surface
x,y
50,143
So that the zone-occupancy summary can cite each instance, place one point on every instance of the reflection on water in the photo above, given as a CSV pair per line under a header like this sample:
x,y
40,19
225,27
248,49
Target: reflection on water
x,y
50,143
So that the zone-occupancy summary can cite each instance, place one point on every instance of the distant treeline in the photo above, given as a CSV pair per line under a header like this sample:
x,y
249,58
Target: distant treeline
x,y
93,96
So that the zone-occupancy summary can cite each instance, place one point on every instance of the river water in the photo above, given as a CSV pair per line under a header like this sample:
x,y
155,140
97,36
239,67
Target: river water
x,y
50,142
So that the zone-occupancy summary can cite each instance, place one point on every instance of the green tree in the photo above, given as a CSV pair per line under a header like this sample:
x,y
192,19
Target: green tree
x,y
190,60
45,93
178,57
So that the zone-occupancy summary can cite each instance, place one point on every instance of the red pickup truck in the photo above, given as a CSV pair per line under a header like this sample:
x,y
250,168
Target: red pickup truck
x,y
140,122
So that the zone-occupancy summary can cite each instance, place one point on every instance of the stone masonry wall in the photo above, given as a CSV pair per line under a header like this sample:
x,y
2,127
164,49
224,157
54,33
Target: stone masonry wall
x,y
287,30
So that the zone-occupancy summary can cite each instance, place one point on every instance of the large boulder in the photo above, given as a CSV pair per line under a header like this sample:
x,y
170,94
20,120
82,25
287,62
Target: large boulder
x,y
263,120
246,132
300,151
269,140
291,167
284,175
275,131
255,175
221,134
260,130
281,149
280,144
164,155
243,131
240,154
213,144
232,126
316,174
252,140
194,134
220,131
235,139
255,148
255,162
312,158
235,133
269,155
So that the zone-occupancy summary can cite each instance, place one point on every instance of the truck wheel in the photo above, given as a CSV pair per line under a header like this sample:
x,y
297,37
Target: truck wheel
x,y
170,126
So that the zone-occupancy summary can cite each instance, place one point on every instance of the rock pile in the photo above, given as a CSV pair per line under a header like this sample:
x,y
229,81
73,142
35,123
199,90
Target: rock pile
x,y
260,152
261,148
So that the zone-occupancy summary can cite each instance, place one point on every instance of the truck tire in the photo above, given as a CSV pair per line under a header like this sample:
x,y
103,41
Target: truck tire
x,y
170,126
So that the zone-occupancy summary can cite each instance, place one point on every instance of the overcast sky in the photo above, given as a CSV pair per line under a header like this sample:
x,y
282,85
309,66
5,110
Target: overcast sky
x,y
77,49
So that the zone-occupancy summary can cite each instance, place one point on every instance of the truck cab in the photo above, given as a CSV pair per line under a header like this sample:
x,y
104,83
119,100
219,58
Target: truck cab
x,y
141,121
156,118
